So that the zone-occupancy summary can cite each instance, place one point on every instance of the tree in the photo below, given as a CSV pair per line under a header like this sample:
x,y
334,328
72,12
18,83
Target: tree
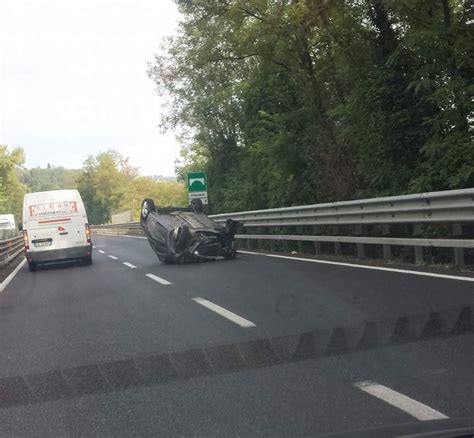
x,y
313,100
11,190
103,184
50,178
109,184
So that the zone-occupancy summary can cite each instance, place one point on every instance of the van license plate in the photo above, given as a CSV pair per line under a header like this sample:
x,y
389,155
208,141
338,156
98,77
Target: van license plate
x,y
41,244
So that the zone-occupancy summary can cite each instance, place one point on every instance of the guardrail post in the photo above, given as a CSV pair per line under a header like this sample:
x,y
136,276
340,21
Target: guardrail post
x,y
459,257
458,252
317,248
387,253
260,230
417,231
273,245
360,251
334,230
419,260
299,230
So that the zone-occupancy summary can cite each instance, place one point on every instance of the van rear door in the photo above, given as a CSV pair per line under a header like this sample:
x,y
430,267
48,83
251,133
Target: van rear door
x,y
56,225
42,236
72,232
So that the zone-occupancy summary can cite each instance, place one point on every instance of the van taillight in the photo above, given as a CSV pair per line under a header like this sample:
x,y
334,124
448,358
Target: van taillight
x,y
88,233
25,240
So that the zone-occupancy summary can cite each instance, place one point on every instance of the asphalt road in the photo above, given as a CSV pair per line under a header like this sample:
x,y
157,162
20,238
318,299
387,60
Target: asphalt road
x,y
256,346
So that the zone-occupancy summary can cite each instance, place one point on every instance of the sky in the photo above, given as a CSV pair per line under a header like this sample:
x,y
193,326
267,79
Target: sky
x,y
74,81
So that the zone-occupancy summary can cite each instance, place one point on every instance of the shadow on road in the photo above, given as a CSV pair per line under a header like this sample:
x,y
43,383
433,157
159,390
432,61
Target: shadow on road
x,y
153,369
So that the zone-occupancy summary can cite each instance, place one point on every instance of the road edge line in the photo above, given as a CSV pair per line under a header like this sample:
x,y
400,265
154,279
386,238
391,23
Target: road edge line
x,y
370,267
11,276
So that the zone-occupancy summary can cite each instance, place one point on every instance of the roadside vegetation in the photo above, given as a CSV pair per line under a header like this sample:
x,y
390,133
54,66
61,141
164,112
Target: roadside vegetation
x,y
303,101
107,182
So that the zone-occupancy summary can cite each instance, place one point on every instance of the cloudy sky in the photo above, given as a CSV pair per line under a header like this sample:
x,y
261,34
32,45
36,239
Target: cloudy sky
x,y
74,82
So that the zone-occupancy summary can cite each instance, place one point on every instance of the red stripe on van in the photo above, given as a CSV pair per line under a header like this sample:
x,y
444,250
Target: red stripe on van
x,y
51,221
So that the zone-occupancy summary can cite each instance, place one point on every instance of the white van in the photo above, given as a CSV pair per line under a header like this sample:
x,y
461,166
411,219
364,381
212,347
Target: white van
x,y
55,228
7,222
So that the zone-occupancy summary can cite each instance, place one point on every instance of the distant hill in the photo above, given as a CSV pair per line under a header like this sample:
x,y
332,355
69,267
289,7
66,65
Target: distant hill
x,y
40,179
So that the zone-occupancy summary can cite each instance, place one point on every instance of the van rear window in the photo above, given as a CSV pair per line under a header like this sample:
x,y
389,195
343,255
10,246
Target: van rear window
x,y
53,209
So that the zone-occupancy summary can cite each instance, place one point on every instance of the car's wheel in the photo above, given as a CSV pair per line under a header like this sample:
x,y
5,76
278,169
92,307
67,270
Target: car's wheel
x,y
197,205
148,206
87,261
232,255
32,266
163,259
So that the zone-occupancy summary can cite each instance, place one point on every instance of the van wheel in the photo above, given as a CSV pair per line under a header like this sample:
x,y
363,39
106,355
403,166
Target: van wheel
x,y
32,266
148,206
87,261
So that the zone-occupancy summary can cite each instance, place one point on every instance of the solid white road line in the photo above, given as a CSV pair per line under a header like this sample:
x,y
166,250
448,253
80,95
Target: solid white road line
x,y
353,265
412,407
113,257
7,280
102,252
225,313
158,279
129,265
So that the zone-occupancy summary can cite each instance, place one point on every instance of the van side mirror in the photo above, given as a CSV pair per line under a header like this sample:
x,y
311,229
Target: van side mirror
x,y
20,227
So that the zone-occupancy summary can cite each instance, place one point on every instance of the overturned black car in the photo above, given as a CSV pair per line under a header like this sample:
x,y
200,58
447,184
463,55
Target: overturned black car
x,y
180,235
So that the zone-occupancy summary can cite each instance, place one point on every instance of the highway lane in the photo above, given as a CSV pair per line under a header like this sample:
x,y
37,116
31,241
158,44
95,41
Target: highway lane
x,y
67,316
61,318
284,296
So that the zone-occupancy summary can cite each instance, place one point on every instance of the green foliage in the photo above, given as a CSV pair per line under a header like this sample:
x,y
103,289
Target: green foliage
x,y
109,184
310,100
11,190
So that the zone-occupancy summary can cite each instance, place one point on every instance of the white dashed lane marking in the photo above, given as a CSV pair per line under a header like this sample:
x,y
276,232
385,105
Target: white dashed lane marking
x,y
129,265
231,316
158,279
102,252
113,257
406,404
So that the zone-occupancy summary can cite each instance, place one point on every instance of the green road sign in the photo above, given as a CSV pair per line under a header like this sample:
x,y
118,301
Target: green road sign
x,y
197,182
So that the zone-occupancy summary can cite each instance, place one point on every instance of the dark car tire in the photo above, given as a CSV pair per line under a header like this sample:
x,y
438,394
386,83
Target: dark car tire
x,y
197,206
163,259
231,256
87,261
148,206
32,266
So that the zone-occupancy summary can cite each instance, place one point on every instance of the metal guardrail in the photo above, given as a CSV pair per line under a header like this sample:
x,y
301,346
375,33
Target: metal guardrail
x,y
446,206
452,207
396,241
9,249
